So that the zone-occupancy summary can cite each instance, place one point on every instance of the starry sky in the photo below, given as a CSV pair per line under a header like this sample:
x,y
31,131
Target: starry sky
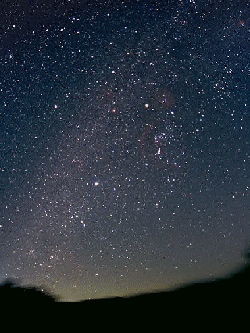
x,y
125,144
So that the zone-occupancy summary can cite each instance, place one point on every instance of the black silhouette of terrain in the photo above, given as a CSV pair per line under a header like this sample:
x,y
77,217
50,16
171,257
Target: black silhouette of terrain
x,y
12,294
226,294
222,304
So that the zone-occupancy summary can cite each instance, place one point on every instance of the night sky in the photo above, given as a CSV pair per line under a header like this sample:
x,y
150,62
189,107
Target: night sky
x,y
125,144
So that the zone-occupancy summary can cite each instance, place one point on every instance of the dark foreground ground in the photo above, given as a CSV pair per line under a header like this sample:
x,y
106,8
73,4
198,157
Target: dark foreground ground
x,y
208,306
228,294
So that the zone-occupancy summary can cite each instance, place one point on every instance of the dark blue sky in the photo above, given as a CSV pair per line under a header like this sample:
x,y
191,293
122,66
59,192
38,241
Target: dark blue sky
x,y
124,144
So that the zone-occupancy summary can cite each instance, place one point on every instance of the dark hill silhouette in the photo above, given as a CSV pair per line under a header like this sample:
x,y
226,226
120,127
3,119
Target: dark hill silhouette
x,y
12,294
222,295
225,294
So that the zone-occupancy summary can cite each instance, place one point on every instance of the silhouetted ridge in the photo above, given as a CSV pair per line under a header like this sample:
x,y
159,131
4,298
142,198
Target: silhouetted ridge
x,y
209,296
11,293
219,294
